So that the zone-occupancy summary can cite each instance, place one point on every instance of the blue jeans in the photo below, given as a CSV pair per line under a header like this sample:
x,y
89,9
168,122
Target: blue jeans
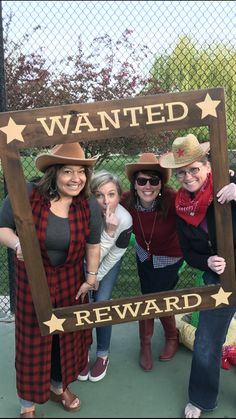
x,y
104,293
206,361
26,403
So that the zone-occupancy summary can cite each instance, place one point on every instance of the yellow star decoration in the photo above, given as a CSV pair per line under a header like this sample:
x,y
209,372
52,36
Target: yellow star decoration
x,y
55,324
13,131
208,106
221,297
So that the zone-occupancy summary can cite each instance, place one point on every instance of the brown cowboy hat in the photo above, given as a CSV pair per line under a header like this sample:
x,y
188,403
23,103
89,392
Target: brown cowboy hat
x,y
185,150
147,161
69,153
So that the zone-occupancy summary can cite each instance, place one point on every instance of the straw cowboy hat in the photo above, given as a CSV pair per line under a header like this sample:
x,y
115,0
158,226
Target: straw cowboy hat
x,y
147,161
69,153
185,150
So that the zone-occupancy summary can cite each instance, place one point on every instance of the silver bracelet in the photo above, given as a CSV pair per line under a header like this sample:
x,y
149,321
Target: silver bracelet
x,y
91,273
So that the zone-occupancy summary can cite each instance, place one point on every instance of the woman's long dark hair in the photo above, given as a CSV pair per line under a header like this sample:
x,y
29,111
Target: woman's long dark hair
x,y
47,184
162,202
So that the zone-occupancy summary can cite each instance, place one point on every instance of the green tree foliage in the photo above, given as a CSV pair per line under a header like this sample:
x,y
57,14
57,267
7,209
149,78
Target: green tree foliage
x,y
110,70
191,68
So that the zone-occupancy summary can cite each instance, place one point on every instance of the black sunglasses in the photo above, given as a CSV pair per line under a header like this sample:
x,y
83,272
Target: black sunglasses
x,y
141,181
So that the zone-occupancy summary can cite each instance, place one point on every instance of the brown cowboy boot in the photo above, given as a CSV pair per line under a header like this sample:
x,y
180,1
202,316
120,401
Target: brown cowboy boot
x,y
171,337
146,328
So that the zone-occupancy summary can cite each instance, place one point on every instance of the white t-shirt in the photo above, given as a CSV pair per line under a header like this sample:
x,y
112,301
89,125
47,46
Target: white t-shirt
x,y
113,248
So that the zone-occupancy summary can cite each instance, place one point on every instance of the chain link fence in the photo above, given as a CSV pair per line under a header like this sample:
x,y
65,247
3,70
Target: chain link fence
x,y
61,52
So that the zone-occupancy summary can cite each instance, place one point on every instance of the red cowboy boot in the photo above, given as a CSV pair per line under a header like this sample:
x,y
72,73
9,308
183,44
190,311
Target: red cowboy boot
x,y
171,337
146,328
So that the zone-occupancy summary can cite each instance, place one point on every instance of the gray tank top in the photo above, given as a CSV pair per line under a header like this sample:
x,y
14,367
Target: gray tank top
x,y
57,239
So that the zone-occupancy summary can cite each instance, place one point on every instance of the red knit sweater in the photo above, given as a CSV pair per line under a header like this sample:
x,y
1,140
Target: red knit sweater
x,y
164,239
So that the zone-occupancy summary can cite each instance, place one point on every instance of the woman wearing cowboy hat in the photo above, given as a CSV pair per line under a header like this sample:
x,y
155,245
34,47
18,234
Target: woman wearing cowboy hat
x,y
151,204
68,226
197,234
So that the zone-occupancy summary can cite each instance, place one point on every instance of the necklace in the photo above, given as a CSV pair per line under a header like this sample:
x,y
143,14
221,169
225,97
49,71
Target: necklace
x,y
147,242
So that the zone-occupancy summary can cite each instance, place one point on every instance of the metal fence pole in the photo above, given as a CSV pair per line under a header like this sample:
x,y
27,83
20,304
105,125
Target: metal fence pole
x,y
3,101
3,108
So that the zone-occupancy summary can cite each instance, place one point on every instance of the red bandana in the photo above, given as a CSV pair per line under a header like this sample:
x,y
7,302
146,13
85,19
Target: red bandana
x,y
193,211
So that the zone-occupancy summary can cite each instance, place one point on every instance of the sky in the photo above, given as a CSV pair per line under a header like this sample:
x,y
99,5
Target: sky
x,y
158,24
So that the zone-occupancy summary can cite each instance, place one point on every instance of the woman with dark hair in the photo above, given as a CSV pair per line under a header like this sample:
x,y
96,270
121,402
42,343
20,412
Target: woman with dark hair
x,y
150,202
68,225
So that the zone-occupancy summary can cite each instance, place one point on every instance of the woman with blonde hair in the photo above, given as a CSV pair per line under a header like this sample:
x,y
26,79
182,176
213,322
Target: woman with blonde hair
x,y
196,228
116,231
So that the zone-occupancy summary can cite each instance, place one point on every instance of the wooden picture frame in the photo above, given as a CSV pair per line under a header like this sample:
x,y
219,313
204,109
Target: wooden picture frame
x,y
110,119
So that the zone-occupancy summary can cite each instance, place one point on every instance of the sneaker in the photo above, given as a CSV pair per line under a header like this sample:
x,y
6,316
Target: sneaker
x,y
84,374
192,411
99,369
